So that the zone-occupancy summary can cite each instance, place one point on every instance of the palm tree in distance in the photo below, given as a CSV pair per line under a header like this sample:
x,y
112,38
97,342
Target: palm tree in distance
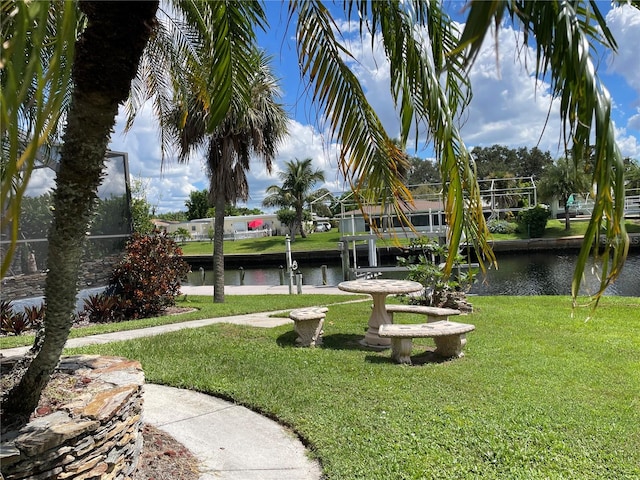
x,y
562,179
298,178
254,126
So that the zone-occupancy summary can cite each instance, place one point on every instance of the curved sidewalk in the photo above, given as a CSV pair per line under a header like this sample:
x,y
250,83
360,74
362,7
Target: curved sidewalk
x,y
230,441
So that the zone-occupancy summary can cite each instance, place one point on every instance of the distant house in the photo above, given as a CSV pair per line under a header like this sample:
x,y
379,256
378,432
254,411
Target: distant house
x,y
235,227
425,215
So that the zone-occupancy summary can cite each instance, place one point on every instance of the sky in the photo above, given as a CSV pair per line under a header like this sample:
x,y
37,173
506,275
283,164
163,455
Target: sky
x,y
509,107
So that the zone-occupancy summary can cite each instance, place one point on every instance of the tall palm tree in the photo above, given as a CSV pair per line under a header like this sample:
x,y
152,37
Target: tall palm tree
x,y
298,178
253,126
106,59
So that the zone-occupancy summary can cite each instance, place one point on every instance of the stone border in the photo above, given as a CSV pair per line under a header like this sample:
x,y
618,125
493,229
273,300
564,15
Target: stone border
x,y
97,434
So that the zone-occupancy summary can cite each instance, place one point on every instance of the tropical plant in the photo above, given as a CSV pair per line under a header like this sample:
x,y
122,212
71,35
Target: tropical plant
x,y
148,278
15,323
254,126
298,178
560,180
113,41
423,265
32,95
429,83
102,308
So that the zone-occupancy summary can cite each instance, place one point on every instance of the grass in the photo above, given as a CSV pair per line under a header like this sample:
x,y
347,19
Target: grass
x,y
539,394
315,241
204,308
556,229
329,240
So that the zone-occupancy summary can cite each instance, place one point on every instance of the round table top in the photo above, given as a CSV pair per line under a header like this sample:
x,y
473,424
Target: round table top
x,y
382,285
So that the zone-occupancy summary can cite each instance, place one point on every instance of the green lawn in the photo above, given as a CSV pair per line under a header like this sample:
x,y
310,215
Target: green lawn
x,y
204,308
556,229
539,394
314,241
329,240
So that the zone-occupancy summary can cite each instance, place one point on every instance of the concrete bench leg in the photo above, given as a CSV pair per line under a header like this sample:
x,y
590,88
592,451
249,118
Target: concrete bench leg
x,y
401,350
450,345
309,332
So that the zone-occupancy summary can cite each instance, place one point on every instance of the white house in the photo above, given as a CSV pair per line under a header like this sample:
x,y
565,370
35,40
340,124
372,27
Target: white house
x,y
235,227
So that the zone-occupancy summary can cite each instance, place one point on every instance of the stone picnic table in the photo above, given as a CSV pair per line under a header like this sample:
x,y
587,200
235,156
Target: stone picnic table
x,y
379,289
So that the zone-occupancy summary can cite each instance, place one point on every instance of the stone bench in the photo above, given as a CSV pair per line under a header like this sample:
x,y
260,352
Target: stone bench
x,y
433,314
449,337
308,324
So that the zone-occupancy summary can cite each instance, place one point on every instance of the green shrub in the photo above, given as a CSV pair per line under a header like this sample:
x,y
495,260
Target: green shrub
x,y
533,220
423,266
148,279
501,226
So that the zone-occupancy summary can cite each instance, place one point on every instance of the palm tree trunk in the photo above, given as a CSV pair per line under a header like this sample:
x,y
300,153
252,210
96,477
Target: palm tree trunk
x,y
106,61
218,249
299,221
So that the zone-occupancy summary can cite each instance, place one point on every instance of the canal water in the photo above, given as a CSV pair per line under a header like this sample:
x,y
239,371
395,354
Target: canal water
x,y
529,273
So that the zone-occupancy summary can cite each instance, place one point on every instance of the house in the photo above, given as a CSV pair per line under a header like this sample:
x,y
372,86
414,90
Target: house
x,y
235,227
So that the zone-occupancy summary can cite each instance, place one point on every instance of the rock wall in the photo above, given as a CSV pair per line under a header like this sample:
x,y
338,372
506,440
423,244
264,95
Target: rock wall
x,y
94,274
95,434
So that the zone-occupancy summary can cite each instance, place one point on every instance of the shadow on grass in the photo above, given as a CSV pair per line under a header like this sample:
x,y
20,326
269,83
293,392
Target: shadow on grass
x,y
338,341
425,358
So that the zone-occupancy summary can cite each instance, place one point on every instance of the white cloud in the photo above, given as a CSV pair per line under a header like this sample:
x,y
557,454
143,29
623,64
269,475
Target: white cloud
x,y
509,106
624,23
167,184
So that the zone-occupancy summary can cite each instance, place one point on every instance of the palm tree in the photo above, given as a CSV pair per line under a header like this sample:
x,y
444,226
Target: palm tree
x,y
113,41
561,180
107,56
298,178
254,126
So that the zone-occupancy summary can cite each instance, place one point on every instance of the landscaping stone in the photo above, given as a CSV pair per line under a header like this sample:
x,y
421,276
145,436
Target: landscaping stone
x,y
96,435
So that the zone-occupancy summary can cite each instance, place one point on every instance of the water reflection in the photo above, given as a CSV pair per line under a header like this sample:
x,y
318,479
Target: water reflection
x,y
530,273
551,273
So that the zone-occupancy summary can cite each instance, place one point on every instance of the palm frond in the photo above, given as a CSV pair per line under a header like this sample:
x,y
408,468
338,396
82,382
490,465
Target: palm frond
x,y
38,38
369,160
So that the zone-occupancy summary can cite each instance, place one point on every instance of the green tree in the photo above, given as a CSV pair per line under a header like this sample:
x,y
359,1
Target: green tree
x,y
298,178
500,161
172,216
422,171
562,179
140,208
254,125
287,216
198,204
105,61
181,234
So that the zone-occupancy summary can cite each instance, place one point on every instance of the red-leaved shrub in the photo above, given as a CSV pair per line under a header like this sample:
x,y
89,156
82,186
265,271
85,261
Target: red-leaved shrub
x,y
148,278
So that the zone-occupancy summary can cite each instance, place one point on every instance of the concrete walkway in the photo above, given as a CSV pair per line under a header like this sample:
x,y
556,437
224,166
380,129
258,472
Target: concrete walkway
x,y
230,442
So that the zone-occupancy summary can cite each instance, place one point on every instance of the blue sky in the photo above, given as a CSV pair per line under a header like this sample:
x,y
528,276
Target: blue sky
x,y
508,108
